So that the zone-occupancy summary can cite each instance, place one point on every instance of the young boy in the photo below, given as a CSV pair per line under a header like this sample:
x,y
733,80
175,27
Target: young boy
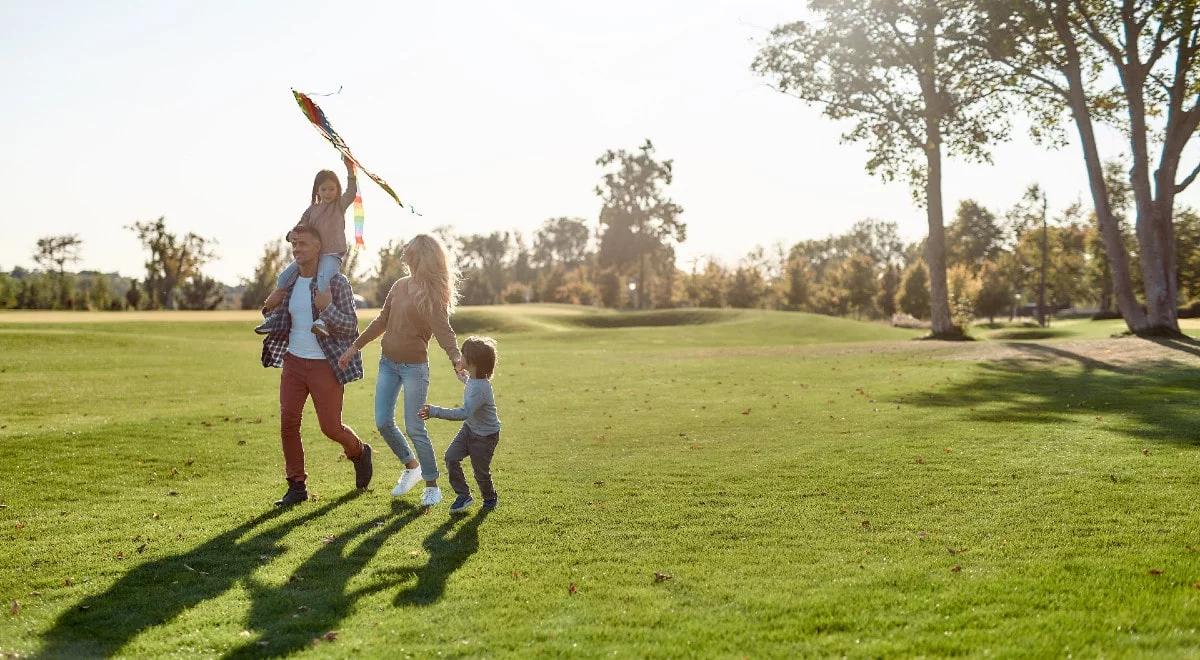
x,y
481,426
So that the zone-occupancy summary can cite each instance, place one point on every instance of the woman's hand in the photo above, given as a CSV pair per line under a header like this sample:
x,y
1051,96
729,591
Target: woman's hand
x,y
344,360
348,163
423,413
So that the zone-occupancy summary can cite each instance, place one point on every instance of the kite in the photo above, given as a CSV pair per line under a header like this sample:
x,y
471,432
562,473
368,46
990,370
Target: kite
x,y
321,122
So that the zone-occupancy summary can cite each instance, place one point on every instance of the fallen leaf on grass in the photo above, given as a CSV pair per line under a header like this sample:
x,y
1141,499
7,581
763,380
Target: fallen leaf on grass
x,y
922,535
302,608
572,589
327,540
955,551
194,570
20,525
173,493
245,633
68,582
190,461
15,608
866,524
662,577
120,555
142,548
957,568
746,411
597,483
945,450
241,442
330,636
1156,571
154,516
414,553
920,461
1145,451
1197,585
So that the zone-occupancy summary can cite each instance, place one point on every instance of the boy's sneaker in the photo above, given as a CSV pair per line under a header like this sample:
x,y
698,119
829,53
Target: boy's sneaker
x,y
491,502
319,329
269,324
363,468
296,493
407,481
432,496
461,503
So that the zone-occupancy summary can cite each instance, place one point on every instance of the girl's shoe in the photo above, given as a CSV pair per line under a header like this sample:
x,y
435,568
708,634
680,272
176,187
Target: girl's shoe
x,y
432,496
461,503
269,324
319,329
407,481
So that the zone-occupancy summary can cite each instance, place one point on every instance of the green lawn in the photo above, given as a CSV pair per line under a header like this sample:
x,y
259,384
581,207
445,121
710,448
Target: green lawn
x,y
812,486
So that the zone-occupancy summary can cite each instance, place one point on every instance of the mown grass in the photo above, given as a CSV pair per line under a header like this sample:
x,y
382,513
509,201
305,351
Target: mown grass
x,y
812,486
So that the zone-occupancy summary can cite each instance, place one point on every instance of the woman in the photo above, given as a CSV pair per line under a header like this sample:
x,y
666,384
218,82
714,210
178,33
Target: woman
x,y
417,308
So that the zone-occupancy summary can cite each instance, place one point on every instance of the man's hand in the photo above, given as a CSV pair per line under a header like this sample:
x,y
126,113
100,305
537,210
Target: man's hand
x,y
423,413
324,300
274,300
349,164
344,360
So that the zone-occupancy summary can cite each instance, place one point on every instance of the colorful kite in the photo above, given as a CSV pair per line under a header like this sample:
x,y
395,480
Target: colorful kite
x,y
318,119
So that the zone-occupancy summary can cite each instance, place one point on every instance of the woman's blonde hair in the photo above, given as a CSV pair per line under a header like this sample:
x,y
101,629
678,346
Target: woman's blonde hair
x,y
434,275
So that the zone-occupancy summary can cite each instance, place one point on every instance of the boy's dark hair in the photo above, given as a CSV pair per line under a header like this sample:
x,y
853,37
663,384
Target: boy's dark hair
x,y
304,229
481,352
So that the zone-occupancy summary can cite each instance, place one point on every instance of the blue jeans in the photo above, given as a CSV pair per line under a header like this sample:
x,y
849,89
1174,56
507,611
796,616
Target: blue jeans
x,y
414,380
327,266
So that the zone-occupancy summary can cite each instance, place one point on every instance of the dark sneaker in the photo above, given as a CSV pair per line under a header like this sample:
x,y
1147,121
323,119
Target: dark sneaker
x,y
461,503
296,493
319,329
269,325
491,502
363,468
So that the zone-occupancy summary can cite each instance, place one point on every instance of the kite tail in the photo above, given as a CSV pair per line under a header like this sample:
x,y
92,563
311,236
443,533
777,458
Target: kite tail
x,y
359,220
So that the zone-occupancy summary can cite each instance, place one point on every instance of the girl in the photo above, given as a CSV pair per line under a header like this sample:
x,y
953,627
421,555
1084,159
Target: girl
x,y
417,308
326,214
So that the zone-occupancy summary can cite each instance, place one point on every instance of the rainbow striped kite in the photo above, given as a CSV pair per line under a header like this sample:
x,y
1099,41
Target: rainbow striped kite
x,y
359,221
317,116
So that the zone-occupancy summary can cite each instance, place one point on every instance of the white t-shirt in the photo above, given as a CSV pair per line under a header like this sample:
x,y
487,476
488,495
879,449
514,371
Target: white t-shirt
x,y
302,342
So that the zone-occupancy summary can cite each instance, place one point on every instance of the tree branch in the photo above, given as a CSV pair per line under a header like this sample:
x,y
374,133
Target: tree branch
x,y
1179,187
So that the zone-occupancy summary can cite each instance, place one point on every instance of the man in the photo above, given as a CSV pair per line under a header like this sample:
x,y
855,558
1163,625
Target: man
x,y
310,364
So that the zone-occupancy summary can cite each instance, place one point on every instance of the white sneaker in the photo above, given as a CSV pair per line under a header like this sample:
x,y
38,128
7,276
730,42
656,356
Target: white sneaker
x,y
432,496
408,479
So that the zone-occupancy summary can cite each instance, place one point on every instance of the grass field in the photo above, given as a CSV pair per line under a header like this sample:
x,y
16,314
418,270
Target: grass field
x,y
811,486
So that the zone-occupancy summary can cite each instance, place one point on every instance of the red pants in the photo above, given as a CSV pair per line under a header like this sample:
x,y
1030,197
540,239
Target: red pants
x,y
301,378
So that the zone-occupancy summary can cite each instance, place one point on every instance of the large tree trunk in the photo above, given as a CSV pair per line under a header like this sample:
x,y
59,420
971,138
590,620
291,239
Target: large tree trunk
x,y
935,247
1110,231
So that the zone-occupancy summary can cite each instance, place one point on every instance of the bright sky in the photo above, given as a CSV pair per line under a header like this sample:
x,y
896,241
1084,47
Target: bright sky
x,y
484,117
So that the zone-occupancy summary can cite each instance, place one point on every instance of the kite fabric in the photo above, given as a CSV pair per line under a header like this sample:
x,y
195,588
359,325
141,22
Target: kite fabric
x,y
318,119
359,220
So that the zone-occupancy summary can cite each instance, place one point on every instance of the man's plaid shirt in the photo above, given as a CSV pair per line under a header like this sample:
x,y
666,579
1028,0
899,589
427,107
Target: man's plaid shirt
x,y
341,320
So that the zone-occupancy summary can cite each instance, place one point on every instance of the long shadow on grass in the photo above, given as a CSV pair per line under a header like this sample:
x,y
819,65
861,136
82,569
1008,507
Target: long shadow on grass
x,y
447,553
1153,401
314,599
154,593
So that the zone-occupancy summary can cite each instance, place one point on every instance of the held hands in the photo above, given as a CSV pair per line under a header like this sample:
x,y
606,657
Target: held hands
x,y
344,360
423,413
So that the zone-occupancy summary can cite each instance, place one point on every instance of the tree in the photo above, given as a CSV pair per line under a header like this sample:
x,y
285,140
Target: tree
x,y
390,268
907,74
637,218
914,295
172,259
1058,48
133,296
798,276
53,253
561,241
200,292
747,288
859,282
974,236
274,259
485,266
995,291
889,286
1187,252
